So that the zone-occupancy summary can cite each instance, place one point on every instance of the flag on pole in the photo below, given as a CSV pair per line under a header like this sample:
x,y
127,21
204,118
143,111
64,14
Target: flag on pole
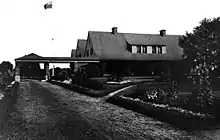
x,y
48,5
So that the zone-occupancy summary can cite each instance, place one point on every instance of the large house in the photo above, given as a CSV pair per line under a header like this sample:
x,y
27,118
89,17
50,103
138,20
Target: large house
x,y
131,54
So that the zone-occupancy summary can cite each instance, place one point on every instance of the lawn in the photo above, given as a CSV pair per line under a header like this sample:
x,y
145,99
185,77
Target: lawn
x,y
175,115
172,114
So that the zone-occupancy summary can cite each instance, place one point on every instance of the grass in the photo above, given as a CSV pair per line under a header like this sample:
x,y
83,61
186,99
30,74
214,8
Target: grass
x,y
172,117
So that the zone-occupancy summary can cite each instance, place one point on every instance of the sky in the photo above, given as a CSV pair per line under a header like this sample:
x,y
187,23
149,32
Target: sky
x,y
26,27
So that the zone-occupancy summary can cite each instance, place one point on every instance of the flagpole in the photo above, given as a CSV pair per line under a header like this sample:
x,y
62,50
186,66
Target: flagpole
x,y
49,6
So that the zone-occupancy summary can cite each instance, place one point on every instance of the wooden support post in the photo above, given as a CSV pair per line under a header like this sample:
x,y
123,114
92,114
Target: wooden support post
x,y
168,69
102,68
47,71
76,67
17,72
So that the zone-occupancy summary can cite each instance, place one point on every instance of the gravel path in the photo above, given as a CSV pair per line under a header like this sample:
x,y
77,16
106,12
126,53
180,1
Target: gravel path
x,y
45,111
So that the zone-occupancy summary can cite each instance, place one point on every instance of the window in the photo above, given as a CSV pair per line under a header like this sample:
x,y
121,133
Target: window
x,y
164,49
144,49
149,49
79,55
91,51
138,49
159,49
154,49
134,49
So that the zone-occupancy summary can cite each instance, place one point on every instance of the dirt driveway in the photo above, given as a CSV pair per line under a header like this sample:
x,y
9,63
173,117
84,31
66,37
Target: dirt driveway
x,y
44,111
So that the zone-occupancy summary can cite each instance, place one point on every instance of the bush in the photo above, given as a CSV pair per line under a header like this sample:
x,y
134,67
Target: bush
x,y
93,84
156,93
115,78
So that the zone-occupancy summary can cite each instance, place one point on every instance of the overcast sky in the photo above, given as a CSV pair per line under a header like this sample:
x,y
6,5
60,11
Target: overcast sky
x,y
26,27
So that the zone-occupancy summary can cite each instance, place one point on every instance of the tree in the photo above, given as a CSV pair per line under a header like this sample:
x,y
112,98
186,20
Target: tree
x,y
6,73
202,54
6,65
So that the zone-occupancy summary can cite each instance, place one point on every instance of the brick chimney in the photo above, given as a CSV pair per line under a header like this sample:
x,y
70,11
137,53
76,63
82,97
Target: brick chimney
x,y
114,30
162,32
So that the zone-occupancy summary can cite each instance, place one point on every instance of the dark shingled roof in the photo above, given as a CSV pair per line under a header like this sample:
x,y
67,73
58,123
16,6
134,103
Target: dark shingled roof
x,y
31,56
114,46
81,45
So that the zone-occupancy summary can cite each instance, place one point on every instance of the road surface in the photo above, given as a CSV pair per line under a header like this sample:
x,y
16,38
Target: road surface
x,y
48,112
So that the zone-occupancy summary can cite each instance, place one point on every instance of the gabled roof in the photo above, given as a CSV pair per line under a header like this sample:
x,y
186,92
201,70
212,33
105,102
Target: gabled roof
x,y
106,44
81,46
151,39
31,56
36,58
114,46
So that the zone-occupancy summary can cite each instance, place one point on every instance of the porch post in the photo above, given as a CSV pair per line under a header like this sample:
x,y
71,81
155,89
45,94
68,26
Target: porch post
x,y
17,72
168,69
76,67
102,68
129,68
47,71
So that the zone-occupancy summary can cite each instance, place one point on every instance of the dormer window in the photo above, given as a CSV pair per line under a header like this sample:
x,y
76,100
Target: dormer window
x,y
164,49
138,49
154,49
149,49
134,49
159,49
143,49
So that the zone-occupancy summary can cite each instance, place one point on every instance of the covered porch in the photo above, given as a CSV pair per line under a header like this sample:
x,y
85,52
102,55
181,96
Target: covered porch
x,y
34,59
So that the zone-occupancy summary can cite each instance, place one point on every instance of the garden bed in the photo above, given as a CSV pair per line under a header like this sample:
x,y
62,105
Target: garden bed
x,y
175,116
8,90
108,88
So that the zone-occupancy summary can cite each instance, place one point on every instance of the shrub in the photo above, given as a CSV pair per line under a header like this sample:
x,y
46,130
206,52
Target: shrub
x,y
115,78
93,84
157,93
